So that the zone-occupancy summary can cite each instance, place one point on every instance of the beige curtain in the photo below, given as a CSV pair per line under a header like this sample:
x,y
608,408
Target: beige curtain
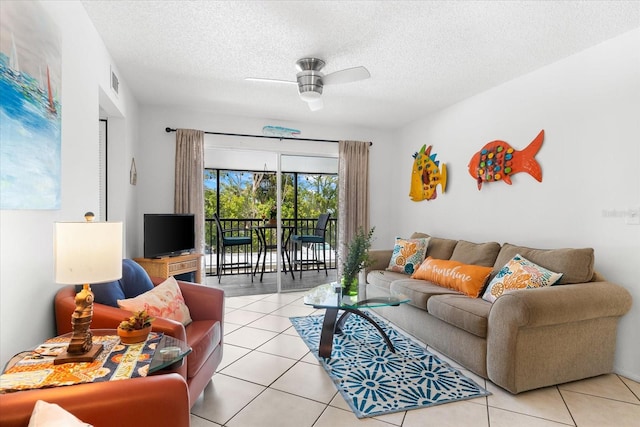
x,y
353,192
189,181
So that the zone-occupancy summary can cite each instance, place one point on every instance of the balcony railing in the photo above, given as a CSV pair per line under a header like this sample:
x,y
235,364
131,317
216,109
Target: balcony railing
x,y
237,253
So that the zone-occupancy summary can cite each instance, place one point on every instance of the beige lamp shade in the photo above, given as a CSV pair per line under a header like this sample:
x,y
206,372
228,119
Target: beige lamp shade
x,y
87,252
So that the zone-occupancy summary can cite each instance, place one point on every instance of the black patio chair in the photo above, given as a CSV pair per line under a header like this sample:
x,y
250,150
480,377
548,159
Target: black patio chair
x,y
310,240
228,238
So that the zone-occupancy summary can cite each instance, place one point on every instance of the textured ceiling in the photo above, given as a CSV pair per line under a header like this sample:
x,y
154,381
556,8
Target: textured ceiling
x,y
423,56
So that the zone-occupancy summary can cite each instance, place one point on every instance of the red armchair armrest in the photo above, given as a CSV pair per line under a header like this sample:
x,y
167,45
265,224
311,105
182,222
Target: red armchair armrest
x,y
161,400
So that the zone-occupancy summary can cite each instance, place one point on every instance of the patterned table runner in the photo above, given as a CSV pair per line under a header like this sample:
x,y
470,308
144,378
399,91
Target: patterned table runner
x,y
116,362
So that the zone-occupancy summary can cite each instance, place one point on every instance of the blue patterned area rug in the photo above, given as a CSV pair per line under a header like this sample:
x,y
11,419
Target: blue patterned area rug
x,y
373,380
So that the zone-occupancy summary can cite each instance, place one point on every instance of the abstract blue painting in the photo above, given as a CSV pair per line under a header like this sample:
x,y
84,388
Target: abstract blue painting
x,y
30,110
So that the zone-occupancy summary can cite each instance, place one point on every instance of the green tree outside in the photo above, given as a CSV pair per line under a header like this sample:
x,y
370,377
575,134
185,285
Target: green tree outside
x,y
251,194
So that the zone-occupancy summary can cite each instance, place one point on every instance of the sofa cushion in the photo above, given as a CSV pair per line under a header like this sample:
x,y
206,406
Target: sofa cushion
x,y
135,280
203,336
468,279
438,248
576,265
519,273
469,314
484,254
165,300
419,291
106,293
408,254
382,279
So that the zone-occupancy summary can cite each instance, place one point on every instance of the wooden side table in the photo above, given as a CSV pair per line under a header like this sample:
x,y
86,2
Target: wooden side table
x,y
172,266
35,368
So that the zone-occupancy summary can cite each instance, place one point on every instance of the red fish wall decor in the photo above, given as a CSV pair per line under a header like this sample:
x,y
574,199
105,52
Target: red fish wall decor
x,y
497,161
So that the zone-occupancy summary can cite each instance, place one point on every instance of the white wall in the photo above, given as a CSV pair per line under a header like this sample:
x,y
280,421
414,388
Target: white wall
x,y
27,285
589,107
155,171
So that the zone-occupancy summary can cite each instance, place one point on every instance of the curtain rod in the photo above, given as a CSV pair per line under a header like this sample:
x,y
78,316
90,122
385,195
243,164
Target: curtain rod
x,y
168,129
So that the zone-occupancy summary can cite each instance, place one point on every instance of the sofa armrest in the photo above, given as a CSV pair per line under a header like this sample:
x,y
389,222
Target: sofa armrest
x,y
204,302
155,400
106,317
561,304
553,335
379,259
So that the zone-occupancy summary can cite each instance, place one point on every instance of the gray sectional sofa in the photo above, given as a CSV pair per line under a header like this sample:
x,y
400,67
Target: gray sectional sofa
x,y
527,338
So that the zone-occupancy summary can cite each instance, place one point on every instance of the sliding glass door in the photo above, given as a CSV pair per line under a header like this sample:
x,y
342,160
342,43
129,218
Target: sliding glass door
x,y
273,197
311,248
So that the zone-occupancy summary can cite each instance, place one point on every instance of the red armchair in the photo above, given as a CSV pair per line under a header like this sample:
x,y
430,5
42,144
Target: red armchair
x,y
204,334
161,400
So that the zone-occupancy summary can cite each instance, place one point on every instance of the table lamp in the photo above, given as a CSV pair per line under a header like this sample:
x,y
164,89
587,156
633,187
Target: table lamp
x,y
85,252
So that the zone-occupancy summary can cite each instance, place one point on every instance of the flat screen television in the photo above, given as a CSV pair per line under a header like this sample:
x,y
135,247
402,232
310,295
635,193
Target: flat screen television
x,y
168,234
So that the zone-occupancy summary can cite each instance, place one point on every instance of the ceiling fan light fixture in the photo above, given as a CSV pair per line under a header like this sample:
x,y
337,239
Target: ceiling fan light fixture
x,y
311,80
310,64
309,85
310,95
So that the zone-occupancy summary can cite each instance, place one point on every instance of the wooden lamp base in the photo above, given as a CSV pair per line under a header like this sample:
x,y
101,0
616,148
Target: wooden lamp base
x,y
81,347
89,356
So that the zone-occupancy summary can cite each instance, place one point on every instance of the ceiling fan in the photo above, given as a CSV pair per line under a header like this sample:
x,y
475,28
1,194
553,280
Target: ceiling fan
x,y
311,80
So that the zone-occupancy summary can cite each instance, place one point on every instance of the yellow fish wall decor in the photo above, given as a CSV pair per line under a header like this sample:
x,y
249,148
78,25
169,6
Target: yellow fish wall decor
x,y
427,173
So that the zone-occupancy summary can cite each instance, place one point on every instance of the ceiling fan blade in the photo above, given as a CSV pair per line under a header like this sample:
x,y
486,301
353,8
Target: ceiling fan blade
x,y
259,79
316,104
346,76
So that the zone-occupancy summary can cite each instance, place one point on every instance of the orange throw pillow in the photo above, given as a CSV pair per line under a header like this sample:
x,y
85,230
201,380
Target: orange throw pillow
x,y
468,279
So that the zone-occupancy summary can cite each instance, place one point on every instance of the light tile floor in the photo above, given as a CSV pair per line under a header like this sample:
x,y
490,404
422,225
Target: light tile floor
x,y
268,378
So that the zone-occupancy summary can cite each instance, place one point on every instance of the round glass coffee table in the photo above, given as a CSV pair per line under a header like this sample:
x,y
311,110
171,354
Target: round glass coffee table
x,y
330,298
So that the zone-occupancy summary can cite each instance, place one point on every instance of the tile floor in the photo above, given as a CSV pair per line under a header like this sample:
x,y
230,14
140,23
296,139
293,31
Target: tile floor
x,y
268,378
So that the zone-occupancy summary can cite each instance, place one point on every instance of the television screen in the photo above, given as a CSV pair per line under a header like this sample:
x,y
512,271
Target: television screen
x,y
168,234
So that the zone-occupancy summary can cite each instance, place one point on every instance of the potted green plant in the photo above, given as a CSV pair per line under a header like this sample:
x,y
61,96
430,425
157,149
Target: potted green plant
x,y
273,214
135,328
357,258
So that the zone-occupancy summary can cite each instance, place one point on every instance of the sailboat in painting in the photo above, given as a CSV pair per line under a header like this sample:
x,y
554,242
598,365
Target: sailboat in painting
x,y
30,108
14,64
33,90
51,106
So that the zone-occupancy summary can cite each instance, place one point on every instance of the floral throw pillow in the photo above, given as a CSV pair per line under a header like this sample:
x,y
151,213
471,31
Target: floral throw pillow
x,y
519,273
165,300
408,254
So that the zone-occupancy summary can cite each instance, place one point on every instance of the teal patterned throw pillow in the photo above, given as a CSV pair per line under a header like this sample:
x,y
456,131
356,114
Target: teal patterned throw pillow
x,y
408,254
519,273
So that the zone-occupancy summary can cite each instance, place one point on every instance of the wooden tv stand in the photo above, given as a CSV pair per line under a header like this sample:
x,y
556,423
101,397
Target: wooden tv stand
x,y
171,266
